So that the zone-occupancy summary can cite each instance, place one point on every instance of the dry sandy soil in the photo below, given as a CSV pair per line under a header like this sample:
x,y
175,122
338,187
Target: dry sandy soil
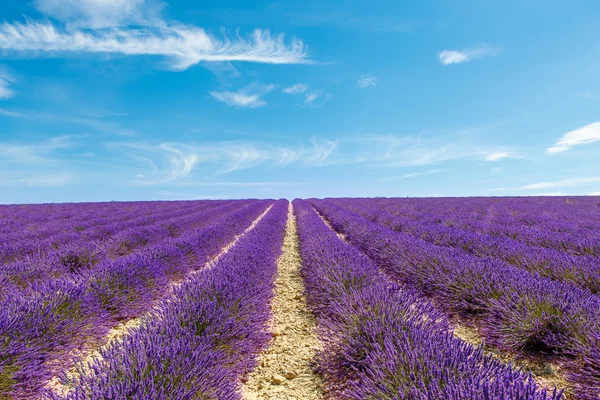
x,y
284,370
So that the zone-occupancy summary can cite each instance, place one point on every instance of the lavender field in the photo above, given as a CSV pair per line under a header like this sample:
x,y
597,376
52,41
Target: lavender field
x,y
340,298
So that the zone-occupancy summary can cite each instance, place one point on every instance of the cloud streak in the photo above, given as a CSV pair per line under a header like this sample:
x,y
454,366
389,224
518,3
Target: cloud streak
x,y
102,13
310,95
6,81
366,81
499,155
251,97
183,46
587,134
573,182
174,162
448,57
297,88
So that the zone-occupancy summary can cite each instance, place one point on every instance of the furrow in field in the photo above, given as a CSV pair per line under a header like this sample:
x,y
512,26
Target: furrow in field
x,y
284,370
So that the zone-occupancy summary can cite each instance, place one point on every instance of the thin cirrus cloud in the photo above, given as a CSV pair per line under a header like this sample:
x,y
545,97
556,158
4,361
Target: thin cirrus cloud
x,y
97,14
183,46
499,155
310,95
411,151
297,88
6,81
573,182
448,57
251,97
587,134
173,162
366,81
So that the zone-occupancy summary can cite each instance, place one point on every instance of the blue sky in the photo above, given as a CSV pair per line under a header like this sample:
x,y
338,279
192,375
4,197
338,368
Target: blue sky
x,y
148,99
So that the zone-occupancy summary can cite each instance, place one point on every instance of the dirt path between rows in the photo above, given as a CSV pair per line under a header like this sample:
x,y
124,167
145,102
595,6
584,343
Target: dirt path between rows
x,y
55,384
284,370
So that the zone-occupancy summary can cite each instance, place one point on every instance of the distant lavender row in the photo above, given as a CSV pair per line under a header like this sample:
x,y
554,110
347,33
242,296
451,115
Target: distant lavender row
x,y
517,311
51,318
583,271
80,255
383,341
39,219
203,339
69,232
564,224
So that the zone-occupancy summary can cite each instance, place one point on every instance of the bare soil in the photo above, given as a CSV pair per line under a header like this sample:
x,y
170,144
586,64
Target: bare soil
x,y
284,370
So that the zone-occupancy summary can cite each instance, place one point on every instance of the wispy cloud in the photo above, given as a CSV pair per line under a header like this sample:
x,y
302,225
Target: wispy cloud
x,y
175,162
6,81
102,13
9,113
448,57
182,45
573,182
499,155
250,97
366,81
36,153
587,134
310,95
594,193
414,174
56,179
410,151
297,88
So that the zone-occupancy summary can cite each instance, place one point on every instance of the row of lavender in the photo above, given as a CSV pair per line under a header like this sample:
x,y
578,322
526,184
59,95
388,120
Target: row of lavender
x,y
516,310
583,271
385,341
123,238
41,323
23,240
567,224
200,341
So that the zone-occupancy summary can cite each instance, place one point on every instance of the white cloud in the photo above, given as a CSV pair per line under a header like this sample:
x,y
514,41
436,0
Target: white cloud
x,y
366,81
8,113
321,151
410,151
6,80
102,13
448,57
414,174
298,88
594,193
35,153
562,183
46,180
174,162
250,97
183,46
181,163
587,134
310,96
498,155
